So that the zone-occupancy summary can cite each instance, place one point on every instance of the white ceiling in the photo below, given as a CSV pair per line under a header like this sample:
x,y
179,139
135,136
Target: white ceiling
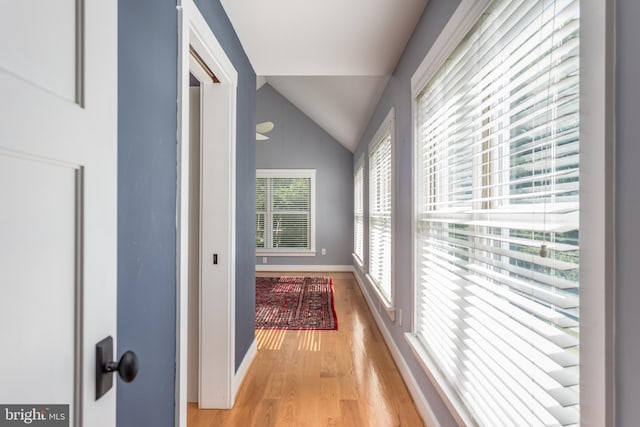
x,y
330,58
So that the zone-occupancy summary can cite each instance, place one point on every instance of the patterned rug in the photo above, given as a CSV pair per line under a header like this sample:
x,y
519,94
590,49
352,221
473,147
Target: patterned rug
x,y
294,302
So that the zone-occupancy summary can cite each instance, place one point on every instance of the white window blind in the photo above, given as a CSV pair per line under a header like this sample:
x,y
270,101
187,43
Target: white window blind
x,y
497,241
283,210
358,212
380,210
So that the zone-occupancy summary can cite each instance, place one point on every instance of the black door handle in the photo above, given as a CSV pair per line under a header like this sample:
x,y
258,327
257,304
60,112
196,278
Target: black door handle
x,y
127,367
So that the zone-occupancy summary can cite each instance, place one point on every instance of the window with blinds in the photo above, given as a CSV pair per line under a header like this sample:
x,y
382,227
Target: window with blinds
x,y
358,212
261,211
497,204
284,210
380,209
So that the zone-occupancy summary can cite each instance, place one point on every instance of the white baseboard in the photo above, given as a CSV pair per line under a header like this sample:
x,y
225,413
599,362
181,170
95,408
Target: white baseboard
x,y
309,268
244,367
421,402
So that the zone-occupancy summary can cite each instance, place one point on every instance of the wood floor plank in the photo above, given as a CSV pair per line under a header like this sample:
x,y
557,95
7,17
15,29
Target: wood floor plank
x,y
266,413
320,378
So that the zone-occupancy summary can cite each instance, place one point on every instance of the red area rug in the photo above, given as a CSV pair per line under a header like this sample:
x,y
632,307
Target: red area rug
x,y
294,302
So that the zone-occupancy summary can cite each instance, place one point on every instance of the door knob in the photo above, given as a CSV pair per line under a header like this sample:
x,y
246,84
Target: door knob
x,y
127,366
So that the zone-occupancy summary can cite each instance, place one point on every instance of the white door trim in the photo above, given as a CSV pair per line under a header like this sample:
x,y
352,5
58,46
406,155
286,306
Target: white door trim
x,y
195,32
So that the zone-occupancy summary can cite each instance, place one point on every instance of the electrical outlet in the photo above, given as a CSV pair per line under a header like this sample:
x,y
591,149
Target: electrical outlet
x,y
324,251
264,259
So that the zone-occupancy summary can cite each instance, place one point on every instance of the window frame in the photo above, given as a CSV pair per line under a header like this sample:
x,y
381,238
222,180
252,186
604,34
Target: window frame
x,y
293,173
597,204
359,259
387,127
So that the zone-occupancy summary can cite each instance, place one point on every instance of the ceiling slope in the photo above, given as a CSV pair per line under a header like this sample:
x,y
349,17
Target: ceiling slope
x,y
330,58
342,106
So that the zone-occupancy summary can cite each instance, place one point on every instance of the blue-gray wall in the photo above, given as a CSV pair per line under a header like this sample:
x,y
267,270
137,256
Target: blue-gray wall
x,y
147,145
627,211
297,142
398,94
147,76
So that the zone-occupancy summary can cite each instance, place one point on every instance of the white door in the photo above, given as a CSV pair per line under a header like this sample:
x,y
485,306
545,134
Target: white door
x,y
58,96
216,281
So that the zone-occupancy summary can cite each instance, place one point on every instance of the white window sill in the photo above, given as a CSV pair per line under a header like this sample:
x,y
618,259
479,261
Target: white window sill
x,y
285,253
382,299
358,261
360,265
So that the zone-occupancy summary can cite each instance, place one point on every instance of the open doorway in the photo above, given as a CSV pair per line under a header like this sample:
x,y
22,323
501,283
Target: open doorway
x,y
206,227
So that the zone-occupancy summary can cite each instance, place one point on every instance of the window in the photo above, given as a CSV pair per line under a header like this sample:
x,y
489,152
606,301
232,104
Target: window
x,y
358,212
497,249
381,210
285,223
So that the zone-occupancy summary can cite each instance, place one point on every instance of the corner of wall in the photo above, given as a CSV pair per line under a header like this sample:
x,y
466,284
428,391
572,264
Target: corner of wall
x,y
242,370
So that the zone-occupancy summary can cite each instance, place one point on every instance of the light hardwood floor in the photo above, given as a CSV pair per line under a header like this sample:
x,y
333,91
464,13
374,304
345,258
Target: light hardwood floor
x,y
320,378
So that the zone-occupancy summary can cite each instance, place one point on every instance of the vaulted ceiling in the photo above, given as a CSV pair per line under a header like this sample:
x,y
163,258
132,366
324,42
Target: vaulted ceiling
x,y
332,59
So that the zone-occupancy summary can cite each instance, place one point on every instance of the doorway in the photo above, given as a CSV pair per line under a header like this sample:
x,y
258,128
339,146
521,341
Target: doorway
x,y
212,302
